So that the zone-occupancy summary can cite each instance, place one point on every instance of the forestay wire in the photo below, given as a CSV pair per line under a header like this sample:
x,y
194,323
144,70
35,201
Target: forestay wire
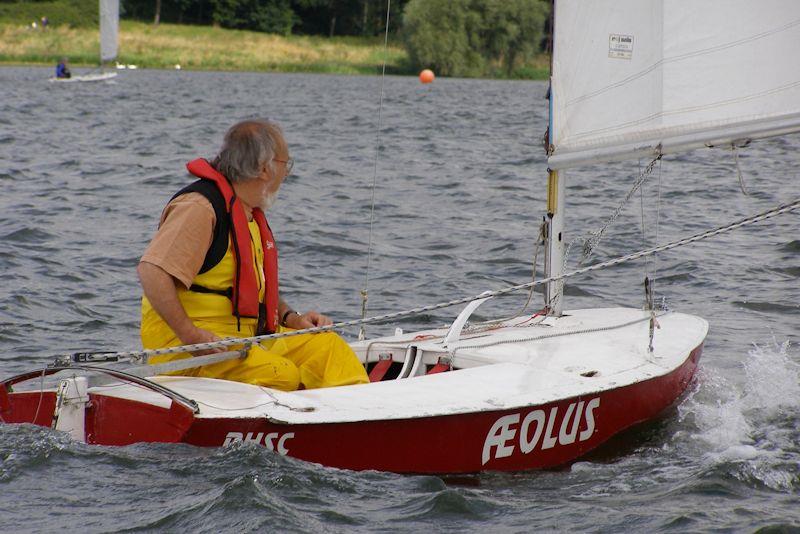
x,y
365,292
778,210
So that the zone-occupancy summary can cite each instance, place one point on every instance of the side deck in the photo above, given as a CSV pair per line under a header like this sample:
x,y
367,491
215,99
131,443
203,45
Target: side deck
x,y
508,367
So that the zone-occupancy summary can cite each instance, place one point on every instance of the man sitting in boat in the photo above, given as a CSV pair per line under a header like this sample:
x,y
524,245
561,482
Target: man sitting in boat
x,y
62,70
211,272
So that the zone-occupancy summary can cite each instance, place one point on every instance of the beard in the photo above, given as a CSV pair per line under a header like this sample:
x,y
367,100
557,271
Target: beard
x,y
268,201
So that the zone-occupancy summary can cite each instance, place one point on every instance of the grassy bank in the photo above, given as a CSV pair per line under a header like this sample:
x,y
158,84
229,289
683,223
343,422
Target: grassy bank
x,y
76,13
201,48
209,48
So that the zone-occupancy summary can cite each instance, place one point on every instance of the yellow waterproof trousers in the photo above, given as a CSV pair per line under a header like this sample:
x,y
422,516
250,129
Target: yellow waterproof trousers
x,y
304,361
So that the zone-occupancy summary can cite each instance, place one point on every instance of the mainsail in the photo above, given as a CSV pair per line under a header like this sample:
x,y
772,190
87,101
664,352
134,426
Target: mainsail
x,y
639,77
109,29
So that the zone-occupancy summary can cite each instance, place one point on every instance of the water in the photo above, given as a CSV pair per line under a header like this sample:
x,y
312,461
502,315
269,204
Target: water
x,y
460,189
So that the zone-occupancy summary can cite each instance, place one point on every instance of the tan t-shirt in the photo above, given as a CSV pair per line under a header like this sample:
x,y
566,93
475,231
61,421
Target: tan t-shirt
x,y
183,237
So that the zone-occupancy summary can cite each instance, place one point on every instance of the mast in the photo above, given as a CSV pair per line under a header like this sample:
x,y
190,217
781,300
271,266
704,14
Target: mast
x,y
554,220
554,242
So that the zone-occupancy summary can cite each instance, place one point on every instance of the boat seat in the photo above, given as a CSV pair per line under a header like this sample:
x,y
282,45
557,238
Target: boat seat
x,y
438,368
380,369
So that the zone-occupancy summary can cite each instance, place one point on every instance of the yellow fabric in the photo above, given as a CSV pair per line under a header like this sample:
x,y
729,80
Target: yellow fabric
x,y
210,306
311,360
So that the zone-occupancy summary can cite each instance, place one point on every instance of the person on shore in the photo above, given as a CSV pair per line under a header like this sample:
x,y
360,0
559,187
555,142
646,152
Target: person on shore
x,y
211,272
62,69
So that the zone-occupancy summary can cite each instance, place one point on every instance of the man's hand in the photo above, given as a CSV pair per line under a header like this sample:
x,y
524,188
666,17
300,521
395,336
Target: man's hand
x,y
307,320
198,335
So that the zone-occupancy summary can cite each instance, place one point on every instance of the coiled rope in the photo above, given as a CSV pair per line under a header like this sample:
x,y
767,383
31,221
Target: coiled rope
x,y
773,212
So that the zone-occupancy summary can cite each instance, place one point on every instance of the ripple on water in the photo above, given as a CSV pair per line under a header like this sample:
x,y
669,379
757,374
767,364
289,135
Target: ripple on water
x,y
792,246
768,306
28,235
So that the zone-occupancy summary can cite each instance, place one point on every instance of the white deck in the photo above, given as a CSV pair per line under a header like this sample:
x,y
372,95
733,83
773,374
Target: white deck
x,y
91,77
517,372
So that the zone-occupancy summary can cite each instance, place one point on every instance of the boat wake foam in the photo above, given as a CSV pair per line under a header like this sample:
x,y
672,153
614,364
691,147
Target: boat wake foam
x,y
751,433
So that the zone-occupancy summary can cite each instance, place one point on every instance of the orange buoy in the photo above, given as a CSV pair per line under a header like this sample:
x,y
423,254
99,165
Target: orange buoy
x,y
426,76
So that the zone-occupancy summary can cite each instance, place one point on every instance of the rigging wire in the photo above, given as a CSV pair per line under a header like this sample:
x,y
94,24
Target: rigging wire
x,y
365,292
593,239
590,243
650,264
658,224
643,220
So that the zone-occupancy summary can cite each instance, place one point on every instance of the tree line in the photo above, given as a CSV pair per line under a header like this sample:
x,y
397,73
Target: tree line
x,y
308,17
453,37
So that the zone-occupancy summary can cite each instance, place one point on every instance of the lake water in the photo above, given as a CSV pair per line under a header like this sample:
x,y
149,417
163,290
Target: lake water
x,y
460,190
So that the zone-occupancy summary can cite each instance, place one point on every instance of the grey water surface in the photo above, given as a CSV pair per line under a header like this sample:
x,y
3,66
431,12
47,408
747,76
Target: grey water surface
x,y
459,193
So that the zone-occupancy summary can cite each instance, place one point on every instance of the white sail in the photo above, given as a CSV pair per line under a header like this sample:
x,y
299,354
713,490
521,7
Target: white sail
x,y
109,29
635,77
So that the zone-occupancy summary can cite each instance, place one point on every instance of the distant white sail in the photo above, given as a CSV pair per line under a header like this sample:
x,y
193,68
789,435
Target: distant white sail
x,y
109,29
632,75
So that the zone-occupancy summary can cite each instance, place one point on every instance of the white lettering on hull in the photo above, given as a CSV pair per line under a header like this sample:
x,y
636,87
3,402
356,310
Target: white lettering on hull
x,y
273,441
539,429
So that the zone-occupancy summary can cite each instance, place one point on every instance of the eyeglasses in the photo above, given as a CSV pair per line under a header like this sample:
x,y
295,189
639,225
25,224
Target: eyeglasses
x,y
289,164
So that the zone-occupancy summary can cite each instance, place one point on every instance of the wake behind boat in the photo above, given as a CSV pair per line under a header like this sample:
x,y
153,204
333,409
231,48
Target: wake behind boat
x,y
535,391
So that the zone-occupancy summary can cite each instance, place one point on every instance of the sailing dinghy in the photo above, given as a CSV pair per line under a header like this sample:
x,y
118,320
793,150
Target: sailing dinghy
x,y
631,79
109,44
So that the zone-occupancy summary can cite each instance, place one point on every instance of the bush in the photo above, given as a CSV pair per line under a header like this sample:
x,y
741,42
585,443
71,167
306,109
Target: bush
x,y
272,16
472,37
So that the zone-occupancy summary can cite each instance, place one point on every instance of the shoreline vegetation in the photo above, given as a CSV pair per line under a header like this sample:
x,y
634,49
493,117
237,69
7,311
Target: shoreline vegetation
x,y
211,48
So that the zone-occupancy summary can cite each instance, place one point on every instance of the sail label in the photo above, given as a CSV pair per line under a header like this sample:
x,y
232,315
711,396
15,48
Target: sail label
x,y
620,46
539,429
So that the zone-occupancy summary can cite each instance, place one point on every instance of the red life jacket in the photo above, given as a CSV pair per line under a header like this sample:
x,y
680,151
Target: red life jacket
x,y
244,295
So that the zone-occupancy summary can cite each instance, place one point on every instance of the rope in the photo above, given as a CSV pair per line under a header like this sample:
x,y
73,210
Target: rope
x,y
595,237
365,292
591,242
539,240
778,210
739,170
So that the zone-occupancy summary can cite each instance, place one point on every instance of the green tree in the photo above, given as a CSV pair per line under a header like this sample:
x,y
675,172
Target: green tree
x,y
271,16
441,34
346,17
472,37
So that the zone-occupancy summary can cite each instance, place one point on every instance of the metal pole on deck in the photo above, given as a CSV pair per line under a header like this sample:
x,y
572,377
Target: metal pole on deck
x,y
554,242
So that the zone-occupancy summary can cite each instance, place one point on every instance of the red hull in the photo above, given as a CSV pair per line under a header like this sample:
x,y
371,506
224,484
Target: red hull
x,y
535,437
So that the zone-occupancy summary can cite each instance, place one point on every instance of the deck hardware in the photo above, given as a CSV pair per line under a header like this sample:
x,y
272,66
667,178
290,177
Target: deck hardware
x,y
454,333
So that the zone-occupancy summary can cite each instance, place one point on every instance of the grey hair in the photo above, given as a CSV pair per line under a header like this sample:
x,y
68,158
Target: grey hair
x,y
248,147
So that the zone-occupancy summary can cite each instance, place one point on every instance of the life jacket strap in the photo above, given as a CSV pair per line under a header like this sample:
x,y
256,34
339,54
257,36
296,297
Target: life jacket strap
x,y
227,292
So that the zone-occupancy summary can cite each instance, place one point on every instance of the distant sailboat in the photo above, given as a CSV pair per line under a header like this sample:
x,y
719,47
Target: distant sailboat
x,y
109,44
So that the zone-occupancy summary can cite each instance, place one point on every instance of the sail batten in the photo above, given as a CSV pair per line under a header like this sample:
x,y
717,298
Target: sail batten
x,y
109,30
633,75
